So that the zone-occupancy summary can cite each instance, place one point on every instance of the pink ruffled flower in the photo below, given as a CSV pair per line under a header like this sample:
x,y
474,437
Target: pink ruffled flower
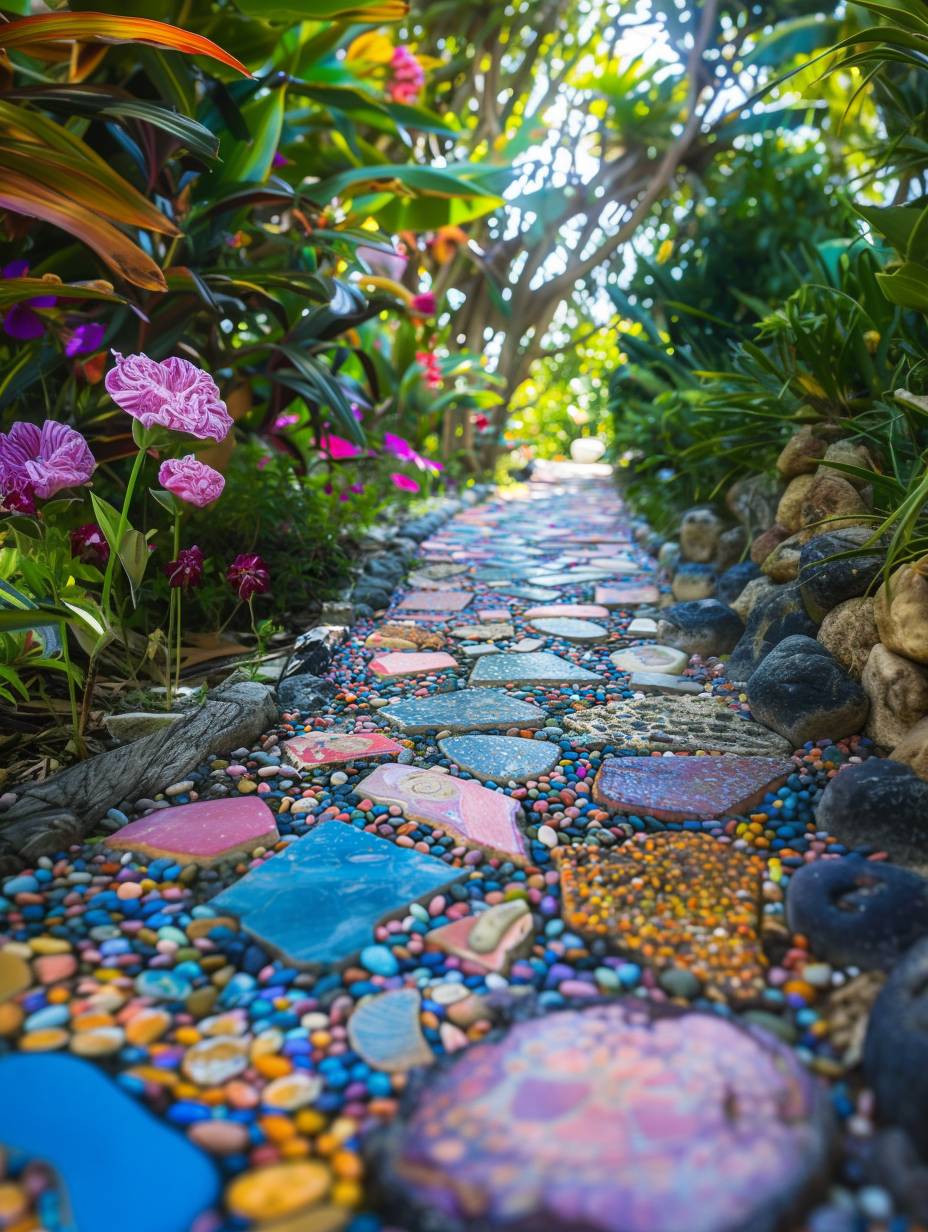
x,y
403,482
89,545
338,448
175,394
248,575
407,76
191,480
187,570
424,304
45,460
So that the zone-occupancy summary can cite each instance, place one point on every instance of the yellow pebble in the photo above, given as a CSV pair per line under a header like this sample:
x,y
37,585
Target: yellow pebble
x,y
309,1121
278,1189
49,945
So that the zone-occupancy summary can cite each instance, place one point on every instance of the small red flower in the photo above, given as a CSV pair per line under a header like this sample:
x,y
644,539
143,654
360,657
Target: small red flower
x,y
187,571
248,575
89,545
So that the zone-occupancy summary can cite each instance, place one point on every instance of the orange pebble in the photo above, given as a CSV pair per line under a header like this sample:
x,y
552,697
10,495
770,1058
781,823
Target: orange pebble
x,y
277,1128
271,1066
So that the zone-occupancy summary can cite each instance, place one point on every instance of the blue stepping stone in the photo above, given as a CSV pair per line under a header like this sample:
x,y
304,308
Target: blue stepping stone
x,y
464,710
530,667
120,1167
499,759
320,899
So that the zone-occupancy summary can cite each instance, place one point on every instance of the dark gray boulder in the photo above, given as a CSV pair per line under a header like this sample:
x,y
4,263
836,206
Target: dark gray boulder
x,y
896,1047
857,912
828,576
703,626
774,617
306,693
734,580
802,692
878,805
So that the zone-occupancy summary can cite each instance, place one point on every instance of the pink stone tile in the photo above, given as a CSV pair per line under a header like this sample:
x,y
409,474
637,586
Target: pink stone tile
x,y
462,808
490,615
492,940
626,596
200,833
682,788
330,748
583,611
436,601
411,663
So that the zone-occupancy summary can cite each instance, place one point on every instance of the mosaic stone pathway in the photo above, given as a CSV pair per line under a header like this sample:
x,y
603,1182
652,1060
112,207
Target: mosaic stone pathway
x,y
450,953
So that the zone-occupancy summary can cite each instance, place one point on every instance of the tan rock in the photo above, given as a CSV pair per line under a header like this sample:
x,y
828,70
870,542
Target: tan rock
x,y
849,631
699,534
902,611
789,510
801,454
757,589
849,453
912,749
898,692
730,548
764,544
831,502
782,565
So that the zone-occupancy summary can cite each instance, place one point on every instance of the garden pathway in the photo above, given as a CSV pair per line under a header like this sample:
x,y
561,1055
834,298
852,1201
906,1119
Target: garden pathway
x,y
286,957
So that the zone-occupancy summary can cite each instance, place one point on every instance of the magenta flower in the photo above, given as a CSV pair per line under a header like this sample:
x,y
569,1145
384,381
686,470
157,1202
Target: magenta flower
x,y
191,480
20,321
279,161
403,482
175,394
407,76
89,545
338,448
287,420
46,459
399,447
248,575
84,339
424,304
187,570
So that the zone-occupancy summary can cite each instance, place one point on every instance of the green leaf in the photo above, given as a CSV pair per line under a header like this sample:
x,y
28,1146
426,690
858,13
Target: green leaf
x,y
896,223
250,162
907,286
107,520
167,500
323,10
134,557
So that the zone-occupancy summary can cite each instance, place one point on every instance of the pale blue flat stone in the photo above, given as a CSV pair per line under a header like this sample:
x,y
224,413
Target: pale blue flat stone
x,y
384,1031
319,900
532,667
120,1167
464,710
500,759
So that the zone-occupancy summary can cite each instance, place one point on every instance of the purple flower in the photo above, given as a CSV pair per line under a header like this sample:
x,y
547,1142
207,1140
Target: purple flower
x,y
46,459
248,575
175,394
386,264
21,321
187,570
89,545
84,339
17,496
191,480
